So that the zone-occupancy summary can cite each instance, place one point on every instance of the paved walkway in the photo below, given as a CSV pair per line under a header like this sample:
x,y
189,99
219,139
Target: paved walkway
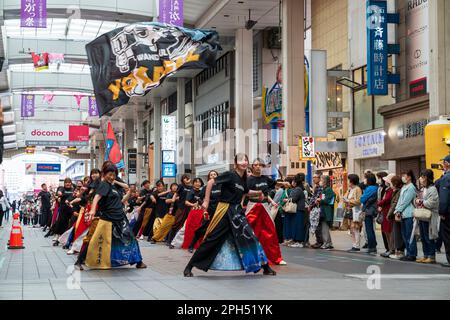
x,y
41,271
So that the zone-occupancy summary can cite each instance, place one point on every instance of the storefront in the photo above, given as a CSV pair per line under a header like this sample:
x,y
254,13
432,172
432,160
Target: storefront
x,y
404,125
365,152
332,164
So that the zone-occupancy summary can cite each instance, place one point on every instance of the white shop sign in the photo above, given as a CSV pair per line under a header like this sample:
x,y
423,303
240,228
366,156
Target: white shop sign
x,y
370,145
169,133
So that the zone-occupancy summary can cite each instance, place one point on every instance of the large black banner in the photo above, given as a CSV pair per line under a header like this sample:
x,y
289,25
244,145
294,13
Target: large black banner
x,y
132,60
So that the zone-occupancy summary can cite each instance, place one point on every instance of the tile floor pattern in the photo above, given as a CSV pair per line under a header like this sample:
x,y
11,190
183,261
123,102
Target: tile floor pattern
x,y
43,272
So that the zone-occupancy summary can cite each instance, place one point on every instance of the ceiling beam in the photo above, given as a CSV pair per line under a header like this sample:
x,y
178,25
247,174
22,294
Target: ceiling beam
x,y
211,13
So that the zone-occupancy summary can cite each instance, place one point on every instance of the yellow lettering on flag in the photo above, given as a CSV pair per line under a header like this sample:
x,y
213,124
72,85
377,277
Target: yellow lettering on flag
x,y
115,89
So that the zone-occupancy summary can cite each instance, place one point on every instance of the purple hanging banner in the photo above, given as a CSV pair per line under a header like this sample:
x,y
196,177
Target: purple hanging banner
x,y
27,106
33,14
93,111
171,12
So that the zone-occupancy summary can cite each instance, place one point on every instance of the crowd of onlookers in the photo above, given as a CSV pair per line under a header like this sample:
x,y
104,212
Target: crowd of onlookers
x,y
407,209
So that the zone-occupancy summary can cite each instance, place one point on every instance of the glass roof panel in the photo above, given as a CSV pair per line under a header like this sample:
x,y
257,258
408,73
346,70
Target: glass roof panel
x,y
79,29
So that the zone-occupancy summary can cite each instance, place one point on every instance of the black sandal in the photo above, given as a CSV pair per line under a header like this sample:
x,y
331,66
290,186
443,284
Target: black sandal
x,y
268,271
79,266
188,272
141,265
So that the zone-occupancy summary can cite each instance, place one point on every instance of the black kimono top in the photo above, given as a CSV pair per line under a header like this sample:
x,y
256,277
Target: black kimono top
x,y
233,187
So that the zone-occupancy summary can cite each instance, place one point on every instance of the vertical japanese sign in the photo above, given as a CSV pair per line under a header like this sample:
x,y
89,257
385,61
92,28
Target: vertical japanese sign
x,y
307,148
33,14
168,146
27,106
377,48
93,111
171,12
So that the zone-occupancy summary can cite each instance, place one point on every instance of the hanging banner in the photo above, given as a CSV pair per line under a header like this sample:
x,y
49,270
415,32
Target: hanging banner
x,y
417,47
132,60
27,106
33,14
272,103
93,112
171,12
78,98
40,61
377,48
56,58
307,148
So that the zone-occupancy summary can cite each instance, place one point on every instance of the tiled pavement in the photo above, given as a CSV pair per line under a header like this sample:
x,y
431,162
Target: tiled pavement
x,y
41,271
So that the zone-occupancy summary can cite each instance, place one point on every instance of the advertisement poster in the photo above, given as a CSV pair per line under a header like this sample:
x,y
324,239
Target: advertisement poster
x,y
417,47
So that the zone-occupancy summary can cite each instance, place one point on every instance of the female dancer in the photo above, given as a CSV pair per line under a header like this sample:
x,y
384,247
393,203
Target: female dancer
x,y
169,218
258,213
81,227
161,207
213,202
229,229
91,222
146,215
65,195
113,243
194,220
182,211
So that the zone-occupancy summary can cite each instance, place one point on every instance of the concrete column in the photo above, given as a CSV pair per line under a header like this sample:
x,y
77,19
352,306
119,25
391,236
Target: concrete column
x,y
293,52
157,133
244,91
181,115
141,170
439,82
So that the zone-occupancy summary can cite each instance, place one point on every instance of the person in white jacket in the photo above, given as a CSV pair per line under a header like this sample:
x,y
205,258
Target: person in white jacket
x,y
4,206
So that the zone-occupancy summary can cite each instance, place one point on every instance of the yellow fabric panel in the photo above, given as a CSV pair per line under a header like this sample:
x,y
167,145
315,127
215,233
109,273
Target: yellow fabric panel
x,y
99,250
222,208
147,215
164,228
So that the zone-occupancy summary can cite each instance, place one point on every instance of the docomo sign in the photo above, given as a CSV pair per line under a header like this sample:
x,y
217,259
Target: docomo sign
x,y
55,134
39,133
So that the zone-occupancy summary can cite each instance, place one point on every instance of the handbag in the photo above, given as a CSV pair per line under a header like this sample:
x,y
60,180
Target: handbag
x,y
379,218
290,207
422,214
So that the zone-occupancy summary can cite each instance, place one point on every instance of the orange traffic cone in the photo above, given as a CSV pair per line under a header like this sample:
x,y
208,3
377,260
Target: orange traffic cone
x,y
15,239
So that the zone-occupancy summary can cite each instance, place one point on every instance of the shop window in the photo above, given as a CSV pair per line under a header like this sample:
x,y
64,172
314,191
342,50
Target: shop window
x,y
172,103
365,107
188,92
257,65
335,101
205,75
213,121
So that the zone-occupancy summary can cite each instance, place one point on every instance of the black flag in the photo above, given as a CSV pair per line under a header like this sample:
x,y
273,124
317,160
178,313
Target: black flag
x,y
132,60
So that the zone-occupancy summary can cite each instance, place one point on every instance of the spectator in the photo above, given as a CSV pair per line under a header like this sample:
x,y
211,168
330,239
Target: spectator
x,y
444,208
4,206
428,199
384,205
295,221
369,202
313,206
399,246
352,202
405,209
326,203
